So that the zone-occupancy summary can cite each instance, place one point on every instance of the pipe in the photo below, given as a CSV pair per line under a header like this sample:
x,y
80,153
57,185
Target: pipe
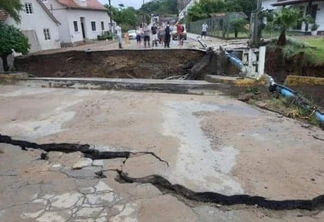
x,y
236,62
291,94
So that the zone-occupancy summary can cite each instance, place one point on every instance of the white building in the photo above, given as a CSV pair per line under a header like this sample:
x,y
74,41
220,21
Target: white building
x,y
317,10
38,24
80,19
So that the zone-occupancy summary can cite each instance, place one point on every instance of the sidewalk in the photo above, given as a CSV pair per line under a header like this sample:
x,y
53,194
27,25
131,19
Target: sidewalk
x,y
217,42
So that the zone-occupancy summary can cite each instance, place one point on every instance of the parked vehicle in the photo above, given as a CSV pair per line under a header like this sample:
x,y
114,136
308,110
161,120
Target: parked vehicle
x,y
131,34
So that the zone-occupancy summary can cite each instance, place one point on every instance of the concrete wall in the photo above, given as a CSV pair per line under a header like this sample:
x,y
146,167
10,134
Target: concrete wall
x,y
38,21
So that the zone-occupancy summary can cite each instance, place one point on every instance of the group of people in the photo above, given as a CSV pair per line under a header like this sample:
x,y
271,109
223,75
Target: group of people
x,y
161,34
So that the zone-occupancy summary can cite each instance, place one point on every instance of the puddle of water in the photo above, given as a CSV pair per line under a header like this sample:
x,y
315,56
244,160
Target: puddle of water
x,y
198,166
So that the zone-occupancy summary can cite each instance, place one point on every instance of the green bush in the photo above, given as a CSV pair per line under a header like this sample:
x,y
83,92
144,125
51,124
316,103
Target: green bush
x,y
105,35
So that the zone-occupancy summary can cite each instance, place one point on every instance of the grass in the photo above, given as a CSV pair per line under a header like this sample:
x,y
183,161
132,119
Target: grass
x,y
315,54
313,47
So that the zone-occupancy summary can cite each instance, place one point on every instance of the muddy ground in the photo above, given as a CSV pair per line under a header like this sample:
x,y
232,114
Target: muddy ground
x,y
151,64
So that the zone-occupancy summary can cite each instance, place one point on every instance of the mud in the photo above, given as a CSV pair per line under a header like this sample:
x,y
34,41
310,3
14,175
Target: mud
x,y
149,64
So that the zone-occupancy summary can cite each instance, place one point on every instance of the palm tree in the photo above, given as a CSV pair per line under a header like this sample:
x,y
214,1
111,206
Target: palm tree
x,y
12,7
283,20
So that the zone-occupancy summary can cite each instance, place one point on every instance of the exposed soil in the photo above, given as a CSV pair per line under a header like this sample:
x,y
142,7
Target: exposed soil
x,y
279,67
155,64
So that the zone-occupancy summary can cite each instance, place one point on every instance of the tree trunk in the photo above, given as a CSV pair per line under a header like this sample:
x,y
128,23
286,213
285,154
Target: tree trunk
x,y
236,33
5,62
282,38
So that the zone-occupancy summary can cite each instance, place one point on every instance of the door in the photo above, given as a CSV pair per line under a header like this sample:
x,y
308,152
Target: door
x,y
82,21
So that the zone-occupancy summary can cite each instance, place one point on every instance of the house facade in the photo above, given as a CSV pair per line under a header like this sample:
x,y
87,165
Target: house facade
x,y
80,19
317,10
37,24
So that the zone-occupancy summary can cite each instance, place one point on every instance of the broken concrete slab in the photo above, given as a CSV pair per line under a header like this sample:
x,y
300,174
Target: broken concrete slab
x,y
85,162
144,165
174,127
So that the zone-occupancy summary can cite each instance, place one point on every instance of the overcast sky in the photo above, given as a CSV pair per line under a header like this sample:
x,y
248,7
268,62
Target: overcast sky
x,y
128,3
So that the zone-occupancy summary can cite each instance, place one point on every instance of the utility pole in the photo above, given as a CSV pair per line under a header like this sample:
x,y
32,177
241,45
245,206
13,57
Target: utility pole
x,y
255,26
143,16
110,15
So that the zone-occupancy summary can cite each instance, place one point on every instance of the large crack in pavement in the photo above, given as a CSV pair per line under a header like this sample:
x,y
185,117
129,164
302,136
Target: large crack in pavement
x,y
87,151
165,186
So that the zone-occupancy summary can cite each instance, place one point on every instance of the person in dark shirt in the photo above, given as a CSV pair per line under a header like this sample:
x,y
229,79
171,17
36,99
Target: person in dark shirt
x,y
154,35
167,36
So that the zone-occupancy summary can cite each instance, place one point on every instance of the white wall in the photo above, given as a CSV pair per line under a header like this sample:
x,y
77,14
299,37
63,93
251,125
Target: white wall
x,y
320,15
37,22
89,16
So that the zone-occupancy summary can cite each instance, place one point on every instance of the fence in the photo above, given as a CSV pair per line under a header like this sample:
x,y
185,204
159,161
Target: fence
x,y
220,25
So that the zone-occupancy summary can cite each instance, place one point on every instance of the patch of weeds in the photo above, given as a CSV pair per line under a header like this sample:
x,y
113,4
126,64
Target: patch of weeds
x,y
254,90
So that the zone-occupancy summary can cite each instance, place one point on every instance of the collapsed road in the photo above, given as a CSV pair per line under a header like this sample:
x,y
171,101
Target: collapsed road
x,y
223,158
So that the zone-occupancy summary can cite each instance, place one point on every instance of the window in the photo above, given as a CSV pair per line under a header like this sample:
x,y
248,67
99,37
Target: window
x,y
29,8
76,28
47,34
93,26
102,26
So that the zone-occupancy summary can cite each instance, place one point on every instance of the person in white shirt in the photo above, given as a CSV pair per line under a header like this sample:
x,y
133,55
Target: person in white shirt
x,y
119,36
204,28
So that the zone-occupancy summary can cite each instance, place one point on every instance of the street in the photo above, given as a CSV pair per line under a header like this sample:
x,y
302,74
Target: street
x,y
203,142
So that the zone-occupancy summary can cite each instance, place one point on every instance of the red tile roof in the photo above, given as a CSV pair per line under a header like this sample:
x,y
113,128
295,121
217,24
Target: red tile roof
x,y
91,5
3,15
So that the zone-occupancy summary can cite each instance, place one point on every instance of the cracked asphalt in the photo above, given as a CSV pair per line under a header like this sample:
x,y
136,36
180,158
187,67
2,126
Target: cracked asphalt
x,y
211,142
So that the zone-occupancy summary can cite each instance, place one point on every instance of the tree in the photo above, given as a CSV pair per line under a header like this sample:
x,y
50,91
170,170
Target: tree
x,y
12,7
284,19
125,17
238,25
11,38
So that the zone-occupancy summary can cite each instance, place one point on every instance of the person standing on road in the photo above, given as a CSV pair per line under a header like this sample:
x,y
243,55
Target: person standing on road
x,y
161,33
167,36
204,28
154,35
119,36
180,30
146,31
139,32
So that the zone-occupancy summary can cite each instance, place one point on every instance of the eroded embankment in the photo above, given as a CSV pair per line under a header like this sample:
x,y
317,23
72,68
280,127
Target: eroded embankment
x,y
151,64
